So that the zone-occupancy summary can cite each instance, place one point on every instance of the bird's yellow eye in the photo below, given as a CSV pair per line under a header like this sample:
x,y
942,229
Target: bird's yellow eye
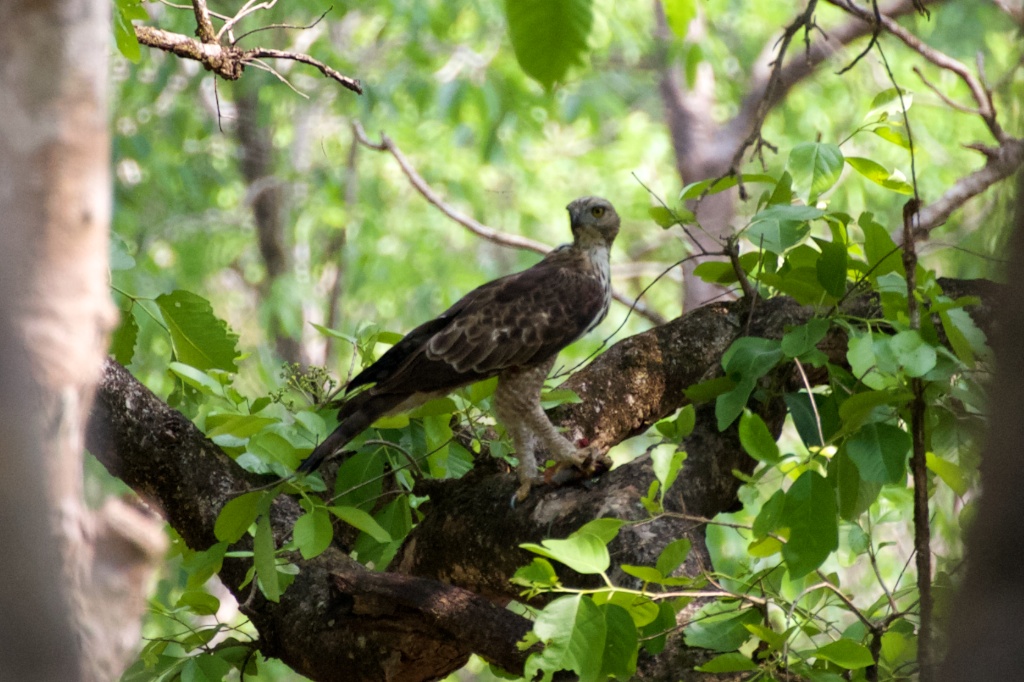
x,y
597,211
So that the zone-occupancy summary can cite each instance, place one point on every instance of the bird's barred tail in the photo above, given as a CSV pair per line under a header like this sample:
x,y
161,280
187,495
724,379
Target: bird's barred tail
x,y
354,417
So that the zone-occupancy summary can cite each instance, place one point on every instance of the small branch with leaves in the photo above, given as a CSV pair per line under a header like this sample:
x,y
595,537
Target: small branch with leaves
x,y
218,51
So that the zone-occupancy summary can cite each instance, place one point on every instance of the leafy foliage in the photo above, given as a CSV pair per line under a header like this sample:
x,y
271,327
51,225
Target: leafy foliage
x,y
829,492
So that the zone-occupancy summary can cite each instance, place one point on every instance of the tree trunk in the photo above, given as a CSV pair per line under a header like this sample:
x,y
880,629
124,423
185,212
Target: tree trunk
x,y
55,314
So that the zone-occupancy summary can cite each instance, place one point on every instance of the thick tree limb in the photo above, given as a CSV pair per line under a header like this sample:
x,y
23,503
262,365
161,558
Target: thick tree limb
x,y
341,621
322,631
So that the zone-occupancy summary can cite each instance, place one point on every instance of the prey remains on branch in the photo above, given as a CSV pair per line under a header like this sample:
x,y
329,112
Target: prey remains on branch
x,y
513,328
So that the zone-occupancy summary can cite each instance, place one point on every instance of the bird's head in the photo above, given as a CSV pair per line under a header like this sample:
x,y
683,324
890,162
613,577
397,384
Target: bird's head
x,y
593,221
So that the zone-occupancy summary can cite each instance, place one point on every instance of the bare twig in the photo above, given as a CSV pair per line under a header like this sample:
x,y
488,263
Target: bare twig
x,y
873,558
247,9
981,94
229,61
204,28
804,21
749,292
421,186
474,226
810,396
952,104
259,52
1002,162
918,467
297,27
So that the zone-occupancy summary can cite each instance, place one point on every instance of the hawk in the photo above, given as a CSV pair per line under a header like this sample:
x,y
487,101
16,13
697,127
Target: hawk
x,y
511,328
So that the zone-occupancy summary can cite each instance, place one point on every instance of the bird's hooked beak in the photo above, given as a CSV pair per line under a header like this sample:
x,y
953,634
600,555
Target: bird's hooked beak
x,y
574,215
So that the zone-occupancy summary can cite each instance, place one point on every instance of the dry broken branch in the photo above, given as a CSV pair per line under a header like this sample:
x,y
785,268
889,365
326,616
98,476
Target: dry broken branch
x,y
229,61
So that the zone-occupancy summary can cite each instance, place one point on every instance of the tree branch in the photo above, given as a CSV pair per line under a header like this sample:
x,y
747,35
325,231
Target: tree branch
x,y
340,621
474,226
1001,163
980,93
229,61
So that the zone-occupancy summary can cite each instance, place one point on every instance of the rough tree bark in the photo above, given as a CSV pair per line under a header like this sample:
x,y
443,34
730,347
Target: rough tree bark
x,y
442,598
63,564
985,638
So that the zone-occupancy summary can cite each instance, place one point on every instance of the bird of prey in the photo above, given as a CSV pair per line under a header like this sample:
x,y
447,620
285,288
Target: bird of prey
x,y
513,328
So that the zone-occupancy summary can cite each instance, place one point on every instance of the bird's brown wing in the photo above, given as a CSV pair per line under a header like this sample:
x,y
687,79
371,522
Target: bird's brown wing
x,y
519,320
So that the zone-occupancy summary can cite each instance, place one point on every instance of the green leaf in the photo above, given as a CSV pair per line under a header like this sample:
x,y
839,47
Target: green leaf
x,y
770,516
358,481
895,135
201,566
780,228
198,337
122,343
815,165
951,474
648,574
538,572
667,218
728,663
776,640
199,602
680,427
586,554
124,32
622,641
673,556
237,425
553,398
313,532
667,462
854,495
888,102
263,559
756,439
751,357
877,173
807,422
573,630
697,189
880,452
197,379
916,356
357,518
748,359
882,253
706,391
549,36
862,407
205,668
655,633
237,515
846,654
810,514
716,272
605,529
831,267
730,405
804,338
970,335
679,14
721,632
